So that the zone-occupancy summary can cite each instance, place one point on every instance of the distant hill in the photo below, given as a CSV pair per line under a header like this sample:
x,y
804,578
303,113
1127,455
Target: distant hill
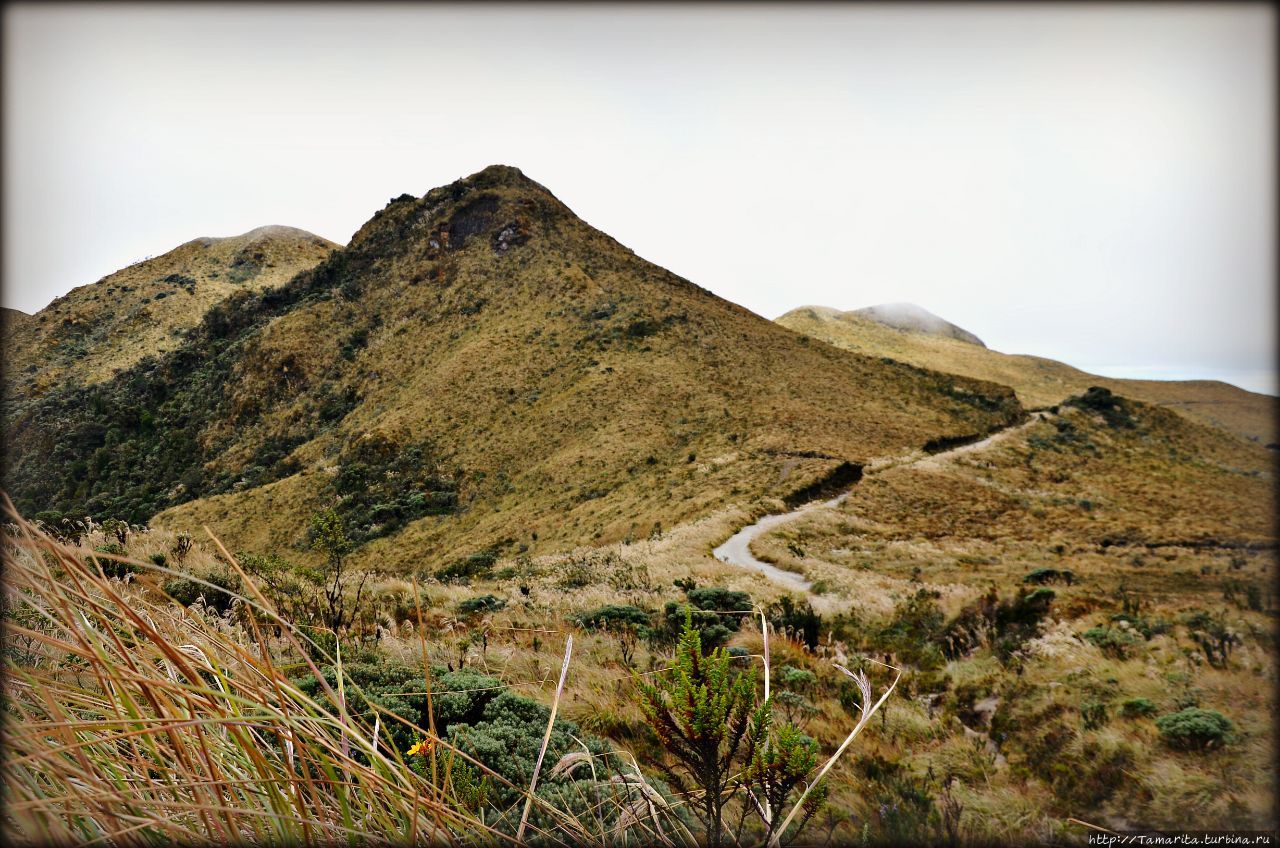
x,y
915,319
1039,382
92,331
478,369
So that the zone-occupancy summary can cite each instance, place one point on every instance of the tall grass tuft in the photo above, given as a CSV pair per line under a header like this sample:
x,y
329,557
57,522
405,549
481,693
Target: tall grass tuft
x,y
131,720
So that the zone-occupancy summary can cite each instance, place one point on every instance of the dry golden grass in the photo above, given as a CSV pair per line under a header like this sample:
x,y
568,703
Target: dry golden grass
x,y
988,519
551,418
1039,382
582,394
140,722
132,720
94,330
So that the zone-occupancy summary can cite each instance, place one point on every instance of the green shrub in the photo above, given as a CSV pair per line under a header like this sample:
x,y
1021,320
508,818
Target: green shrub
x,y
391,686
1040,576
716,612
382,486
475,566
614,617
712,628
480,605
1137,707
796,620
1194,729
461,696
507,736
904,809
916,623
1115,410
1004,624
187,591
111,567
1093,714
1142,625
1211,632
706,715
1112,641
1094,776
797,679
720,600
119,529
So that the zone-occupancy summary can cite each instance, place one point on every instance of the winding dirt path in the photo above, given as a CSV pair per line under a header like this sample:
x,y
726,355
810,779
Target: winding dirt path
x,y
736,550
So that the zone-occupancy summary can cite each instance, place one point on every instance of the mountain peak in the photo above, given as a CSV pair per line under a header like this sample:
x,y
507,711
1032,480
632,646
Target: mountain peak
x,y
916,319
498,173
276,233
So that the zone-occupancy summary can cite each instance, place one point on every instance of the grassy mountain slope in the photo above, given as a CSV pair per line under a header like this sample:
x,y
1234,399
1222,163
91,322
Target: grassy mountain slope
x,y
908,316
94,330
554,386
1150,541
1039,382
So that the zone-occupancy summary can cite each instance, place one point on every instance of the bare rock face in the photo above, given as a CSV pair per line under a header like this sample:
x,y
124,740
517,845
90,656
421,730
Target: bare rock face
x,y
908,316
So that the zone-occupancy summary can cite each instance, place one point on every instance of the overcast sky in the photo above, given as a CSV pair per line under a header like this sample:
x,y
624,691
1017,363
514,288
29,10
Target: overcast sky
x,y
1089,183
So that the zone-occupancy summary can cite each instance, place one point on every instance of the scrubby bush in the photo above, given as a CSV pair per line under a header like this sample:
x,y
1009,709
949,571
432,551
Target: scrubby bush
x,y
613,617
1115,410
1040,576
476,566
716,612
461,696
480,605
713,628
904,808
1003,624
911,633
1093,714
1194,729
1142,626
113,568
797,620
1090,778
625,623
382,485
182,544
119,529
1137,707
795,707
1215,638
219,597
706,715
720,600
507,735
797,679
1112,641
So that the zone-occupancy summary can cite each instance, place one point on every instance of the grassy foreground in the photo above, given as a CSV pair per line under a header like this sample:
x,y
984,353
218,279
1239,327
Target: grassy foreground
x,y
134,719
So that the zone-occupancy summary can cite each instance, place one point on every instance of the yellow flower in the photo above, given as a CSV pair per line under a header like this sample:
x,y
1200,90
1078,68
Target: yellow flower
x,y
422,747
